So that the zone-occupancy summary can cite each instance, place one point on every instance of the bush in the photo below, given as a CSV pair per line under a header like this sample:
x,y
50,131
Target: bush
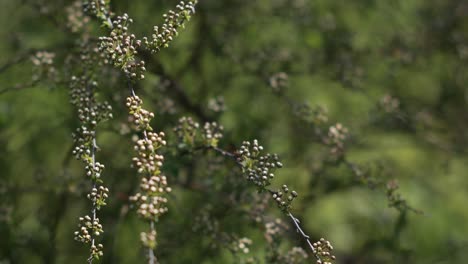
x,y
233,131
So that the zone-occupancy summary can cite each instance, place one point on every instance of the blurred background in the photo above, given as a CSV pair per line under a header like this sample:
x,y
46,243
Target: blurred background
x,y
389,76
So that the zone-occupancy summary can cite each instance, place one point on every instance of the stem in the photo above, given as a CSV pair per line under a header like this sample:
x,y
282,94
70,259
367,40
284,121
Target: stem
x,y
304,235
93,211
293,218
151,257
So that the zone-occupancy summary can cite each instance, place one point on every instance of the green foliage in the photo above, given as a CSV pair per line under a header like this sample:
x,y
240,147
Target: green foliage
x,y
364,101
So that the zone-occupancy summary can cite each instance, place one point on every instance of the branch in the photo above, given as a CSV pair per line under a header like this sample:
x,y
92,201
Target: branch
x,y
293,218
17,59
177,90
20,86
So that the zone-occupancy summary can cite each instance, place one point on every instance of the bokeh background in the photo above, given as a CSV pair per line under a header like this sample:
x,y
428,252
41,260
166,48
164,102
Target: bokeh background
x,y
394,73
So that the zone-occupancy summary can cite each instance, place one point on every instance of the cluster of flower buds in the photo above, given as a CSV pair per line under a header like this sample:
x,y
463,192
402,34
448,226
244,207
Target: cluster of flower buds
x,y
44,65
148,239
98,196
320,115
94,170
259,169
150,202
284,198
212,133
389,104
90,113
336,138
187,130
217,104
190,135
76,19
259,204
88,229
121,48
295,255
153,205
273,230
323,248
173,20
82,138
90,56
99,9
241,245
139,116
147,161
278,82
204,223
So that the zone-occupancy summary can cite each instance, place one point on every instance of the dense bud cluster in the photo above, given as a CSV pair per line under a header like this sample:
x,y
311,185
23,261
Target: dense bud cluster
x,y
284,198
295,255
94,170
173,20
90,111
139,116
320,115
91,57
212,133
259,169
336,138
88,229
90,114
389,104
150,203
43,58
324,250
98,196
121,48
147,161
278,82
44,65
273,229
82,138
189,133
186,130
99,9
76,19
242,245
217,104
148,239
204,223
260,204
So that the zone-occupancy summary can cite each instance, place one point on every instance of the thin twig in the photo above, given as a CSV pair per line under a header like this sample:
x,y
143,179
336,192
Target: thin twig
x,y
304,235
151,256
21,86
293,218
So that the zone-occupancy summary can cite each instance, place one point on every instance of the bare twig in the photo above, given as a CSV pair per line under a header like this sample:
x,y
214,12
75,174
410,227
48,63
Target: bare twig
x,y
20,86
